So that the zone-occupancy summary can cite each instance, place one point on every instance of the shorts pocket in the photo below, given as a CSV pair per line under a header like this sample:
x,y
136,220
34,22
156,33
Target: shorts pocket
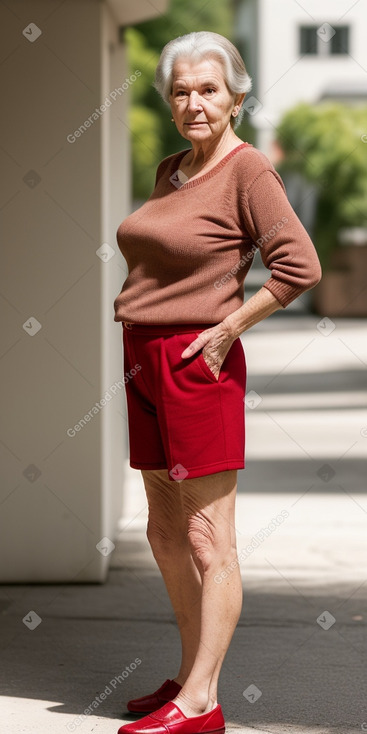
x,y
205,367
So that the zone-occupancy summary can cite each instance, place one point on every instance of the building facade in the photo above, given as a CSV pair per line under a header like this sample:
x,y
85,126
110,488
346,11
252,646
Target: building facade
x,y
300,52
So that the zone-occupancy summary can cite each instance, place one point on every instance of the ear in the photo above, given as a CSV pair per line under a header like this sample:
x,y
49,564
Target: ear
x,y
239,99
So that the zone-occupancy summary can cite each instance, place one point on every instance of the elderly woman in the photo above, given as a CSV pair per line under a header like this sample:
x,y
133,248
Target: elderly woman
x,y
188,250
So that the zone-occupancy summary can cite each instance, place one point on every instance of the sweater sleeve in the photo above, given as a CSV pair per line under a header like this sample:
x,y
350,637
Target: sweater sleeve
x,y
285,247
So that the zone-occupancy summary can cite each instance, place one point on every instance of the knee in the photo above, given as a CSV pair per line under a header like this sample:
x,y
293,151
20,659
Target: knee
x,y
163,538
209,544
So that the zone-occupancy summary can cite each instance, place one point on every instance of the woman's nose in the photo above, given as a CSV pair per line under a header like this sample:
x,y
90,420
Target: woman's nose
x,y
194,101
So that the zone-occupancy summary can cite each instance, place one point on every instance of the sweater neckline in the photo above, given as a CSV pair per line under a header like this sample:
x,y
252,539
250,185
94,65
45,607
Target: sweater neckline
x,y
190,184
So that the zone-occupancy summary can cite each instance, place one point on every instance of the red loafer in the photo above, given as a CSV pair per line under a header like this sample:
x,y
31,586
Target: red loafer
x,y
170,720
156,700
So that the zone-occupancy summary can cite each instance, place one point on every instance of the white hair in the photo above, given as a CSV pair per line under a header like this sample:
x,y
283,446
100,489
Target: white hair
x,y
203,44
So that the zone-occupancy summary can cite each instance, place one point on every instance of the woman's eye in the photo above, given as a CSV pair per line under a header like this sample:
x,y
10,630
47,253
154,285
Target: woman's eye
x,y
210,90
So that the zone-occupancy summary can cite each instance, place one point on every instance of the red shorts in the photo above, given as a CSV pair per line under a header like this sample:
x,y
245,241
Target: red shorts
x,y
180,417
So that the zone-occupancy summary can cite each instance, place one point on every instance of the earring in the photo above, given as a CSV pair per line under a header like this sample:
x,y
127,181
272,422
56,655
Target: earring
x,y
172,119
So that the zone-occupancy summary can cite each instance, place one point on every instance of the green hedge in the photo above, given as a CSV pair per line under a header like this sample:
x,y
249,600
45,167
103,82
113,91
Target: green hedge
x,y
327,144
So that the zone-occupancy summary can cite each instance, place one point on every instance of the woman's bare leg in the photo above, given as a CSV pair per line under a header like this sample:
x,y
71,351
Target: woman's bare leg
x,y
209,506
207,611
167,534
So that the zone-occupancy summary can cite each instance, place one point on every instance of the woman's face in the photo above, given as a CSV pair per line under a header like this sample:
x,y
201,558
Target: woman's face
x,y
200,100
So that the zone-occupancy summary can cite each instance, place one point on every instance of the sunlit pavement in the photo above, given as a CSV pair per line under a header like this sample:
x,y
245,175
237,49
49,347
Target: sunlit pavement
x,y
297,661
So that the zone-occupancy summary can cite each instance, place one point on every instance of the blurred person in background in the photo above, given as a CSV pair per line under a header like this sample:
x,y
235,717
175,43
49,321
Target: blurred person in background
x,y
188,251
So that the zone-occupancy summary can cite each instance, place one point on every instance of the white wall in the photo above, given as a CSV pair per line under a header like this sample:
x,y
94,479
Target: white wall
x,y
116,205
52,516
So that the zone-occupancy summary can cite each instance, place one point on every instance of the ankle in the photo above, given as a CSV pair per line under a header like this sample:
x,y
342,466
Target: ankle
x,y
194,703
181,678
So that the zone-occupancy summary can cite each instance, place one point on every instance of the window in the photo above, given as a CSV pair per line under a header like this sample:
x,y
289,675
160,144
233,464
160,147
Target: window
x,y
340,42
308,39
323,40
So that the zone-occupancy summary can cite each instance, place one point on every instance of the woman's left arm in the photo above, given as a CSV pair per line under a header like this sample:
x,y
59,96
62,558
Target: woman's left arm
x,y
261,305
286,250
284,245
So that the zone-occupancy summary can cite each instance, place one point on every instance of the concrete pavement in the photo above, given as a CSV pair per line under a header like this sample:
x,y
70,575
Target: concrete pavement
x,y
297,662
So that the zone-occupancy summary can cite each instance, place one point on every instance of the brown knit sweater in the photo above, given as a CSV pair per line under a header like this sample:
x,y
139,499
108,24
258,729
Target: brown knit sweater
x,y
190,246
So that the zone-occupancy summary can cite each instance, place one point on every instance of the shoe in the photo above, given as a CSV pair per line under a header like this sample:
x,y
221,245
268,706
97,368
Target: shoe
x,y
170,720
156,700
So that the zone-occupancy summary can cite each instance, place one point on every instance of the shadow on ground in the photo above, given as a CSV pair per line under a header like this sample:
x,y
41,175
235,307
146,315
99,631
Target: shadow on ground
x,y
310,678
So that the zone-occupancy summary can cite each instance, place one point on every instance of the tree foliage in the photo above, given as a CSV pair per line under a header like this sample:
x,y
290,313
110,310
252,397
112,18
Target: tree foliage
x,y
327,144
